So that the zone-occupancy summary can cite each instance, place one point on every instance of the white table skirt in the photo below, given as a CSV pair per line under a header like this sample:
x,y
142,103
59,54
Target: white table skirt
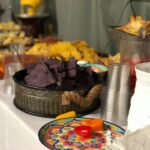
x,y
19,130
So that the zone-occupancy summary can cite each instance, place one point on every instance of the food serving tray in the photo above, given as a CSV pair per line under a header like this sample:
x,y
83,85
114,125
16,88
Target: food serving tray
x,y
59,135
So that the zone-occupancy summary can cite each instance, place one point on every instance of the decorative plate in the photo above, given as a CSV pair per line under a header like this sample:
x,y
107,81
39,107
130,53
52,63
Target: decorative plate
x,y
59,135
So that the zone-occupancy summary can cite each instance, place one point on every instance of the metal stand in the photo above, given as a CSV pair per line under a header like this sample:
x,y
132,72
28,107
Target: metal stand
x,y
139,1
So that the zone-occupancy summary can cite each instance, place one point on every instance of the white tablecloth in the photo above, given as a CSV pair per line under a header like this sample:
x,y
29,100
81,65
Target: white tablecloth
x,y
19,130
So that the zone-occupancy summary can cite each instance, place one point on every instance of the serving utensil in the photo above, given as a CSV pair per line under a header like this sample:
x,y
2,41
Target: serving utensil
x,y
143,31
16,50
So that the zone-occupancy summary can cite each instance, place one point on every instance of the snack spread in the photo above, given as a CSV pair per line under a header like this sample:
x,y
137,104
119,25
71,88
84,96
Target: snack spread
x,y
134,26
63,74
9,26
8,38
63,50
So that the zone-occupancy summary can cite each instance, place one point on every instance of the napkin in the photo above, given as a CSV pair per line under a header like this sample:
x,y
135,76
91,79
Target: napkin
x,y
138,140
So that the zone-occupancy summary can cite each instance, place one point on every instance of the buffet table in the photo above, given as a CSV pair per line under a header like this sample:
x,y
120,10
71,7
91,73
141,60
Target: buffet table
x,y
19,130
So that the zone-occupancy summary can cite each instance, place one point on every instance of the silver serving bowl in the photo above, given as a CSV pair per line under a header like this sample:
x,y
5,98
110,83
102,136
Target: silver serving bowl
x,y
46,101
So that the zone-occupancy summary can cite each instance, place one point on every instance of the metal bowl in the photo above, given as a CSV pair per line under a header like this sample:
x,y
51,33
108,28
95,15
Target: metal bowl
x,y
46,101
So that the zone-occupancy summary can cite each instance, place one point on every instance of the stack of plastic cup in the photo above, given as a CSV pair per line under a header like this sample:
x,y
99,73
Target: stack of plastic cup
x,y
115,104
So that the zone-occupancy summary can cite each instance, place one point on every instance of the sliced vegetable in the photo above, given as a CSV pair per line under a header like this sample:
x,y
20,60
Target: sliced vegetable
x,y
95,124
70,114
84,131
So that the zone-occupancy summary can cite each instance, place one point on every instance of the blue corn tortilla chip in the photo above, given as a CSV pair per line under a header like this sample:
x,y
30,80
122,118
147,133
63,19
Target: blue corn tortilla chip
x,y
64,74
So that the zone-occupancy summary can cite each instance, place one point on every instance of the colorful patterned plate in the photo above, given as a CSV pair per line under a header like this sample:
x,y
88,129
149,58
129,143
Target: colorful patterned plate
x,y
59,135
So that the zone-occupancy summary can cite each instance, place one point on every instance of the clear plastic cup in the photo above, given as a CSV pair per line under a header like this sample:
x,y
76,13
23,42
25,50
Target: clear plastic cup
x,y
10,69
132,52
